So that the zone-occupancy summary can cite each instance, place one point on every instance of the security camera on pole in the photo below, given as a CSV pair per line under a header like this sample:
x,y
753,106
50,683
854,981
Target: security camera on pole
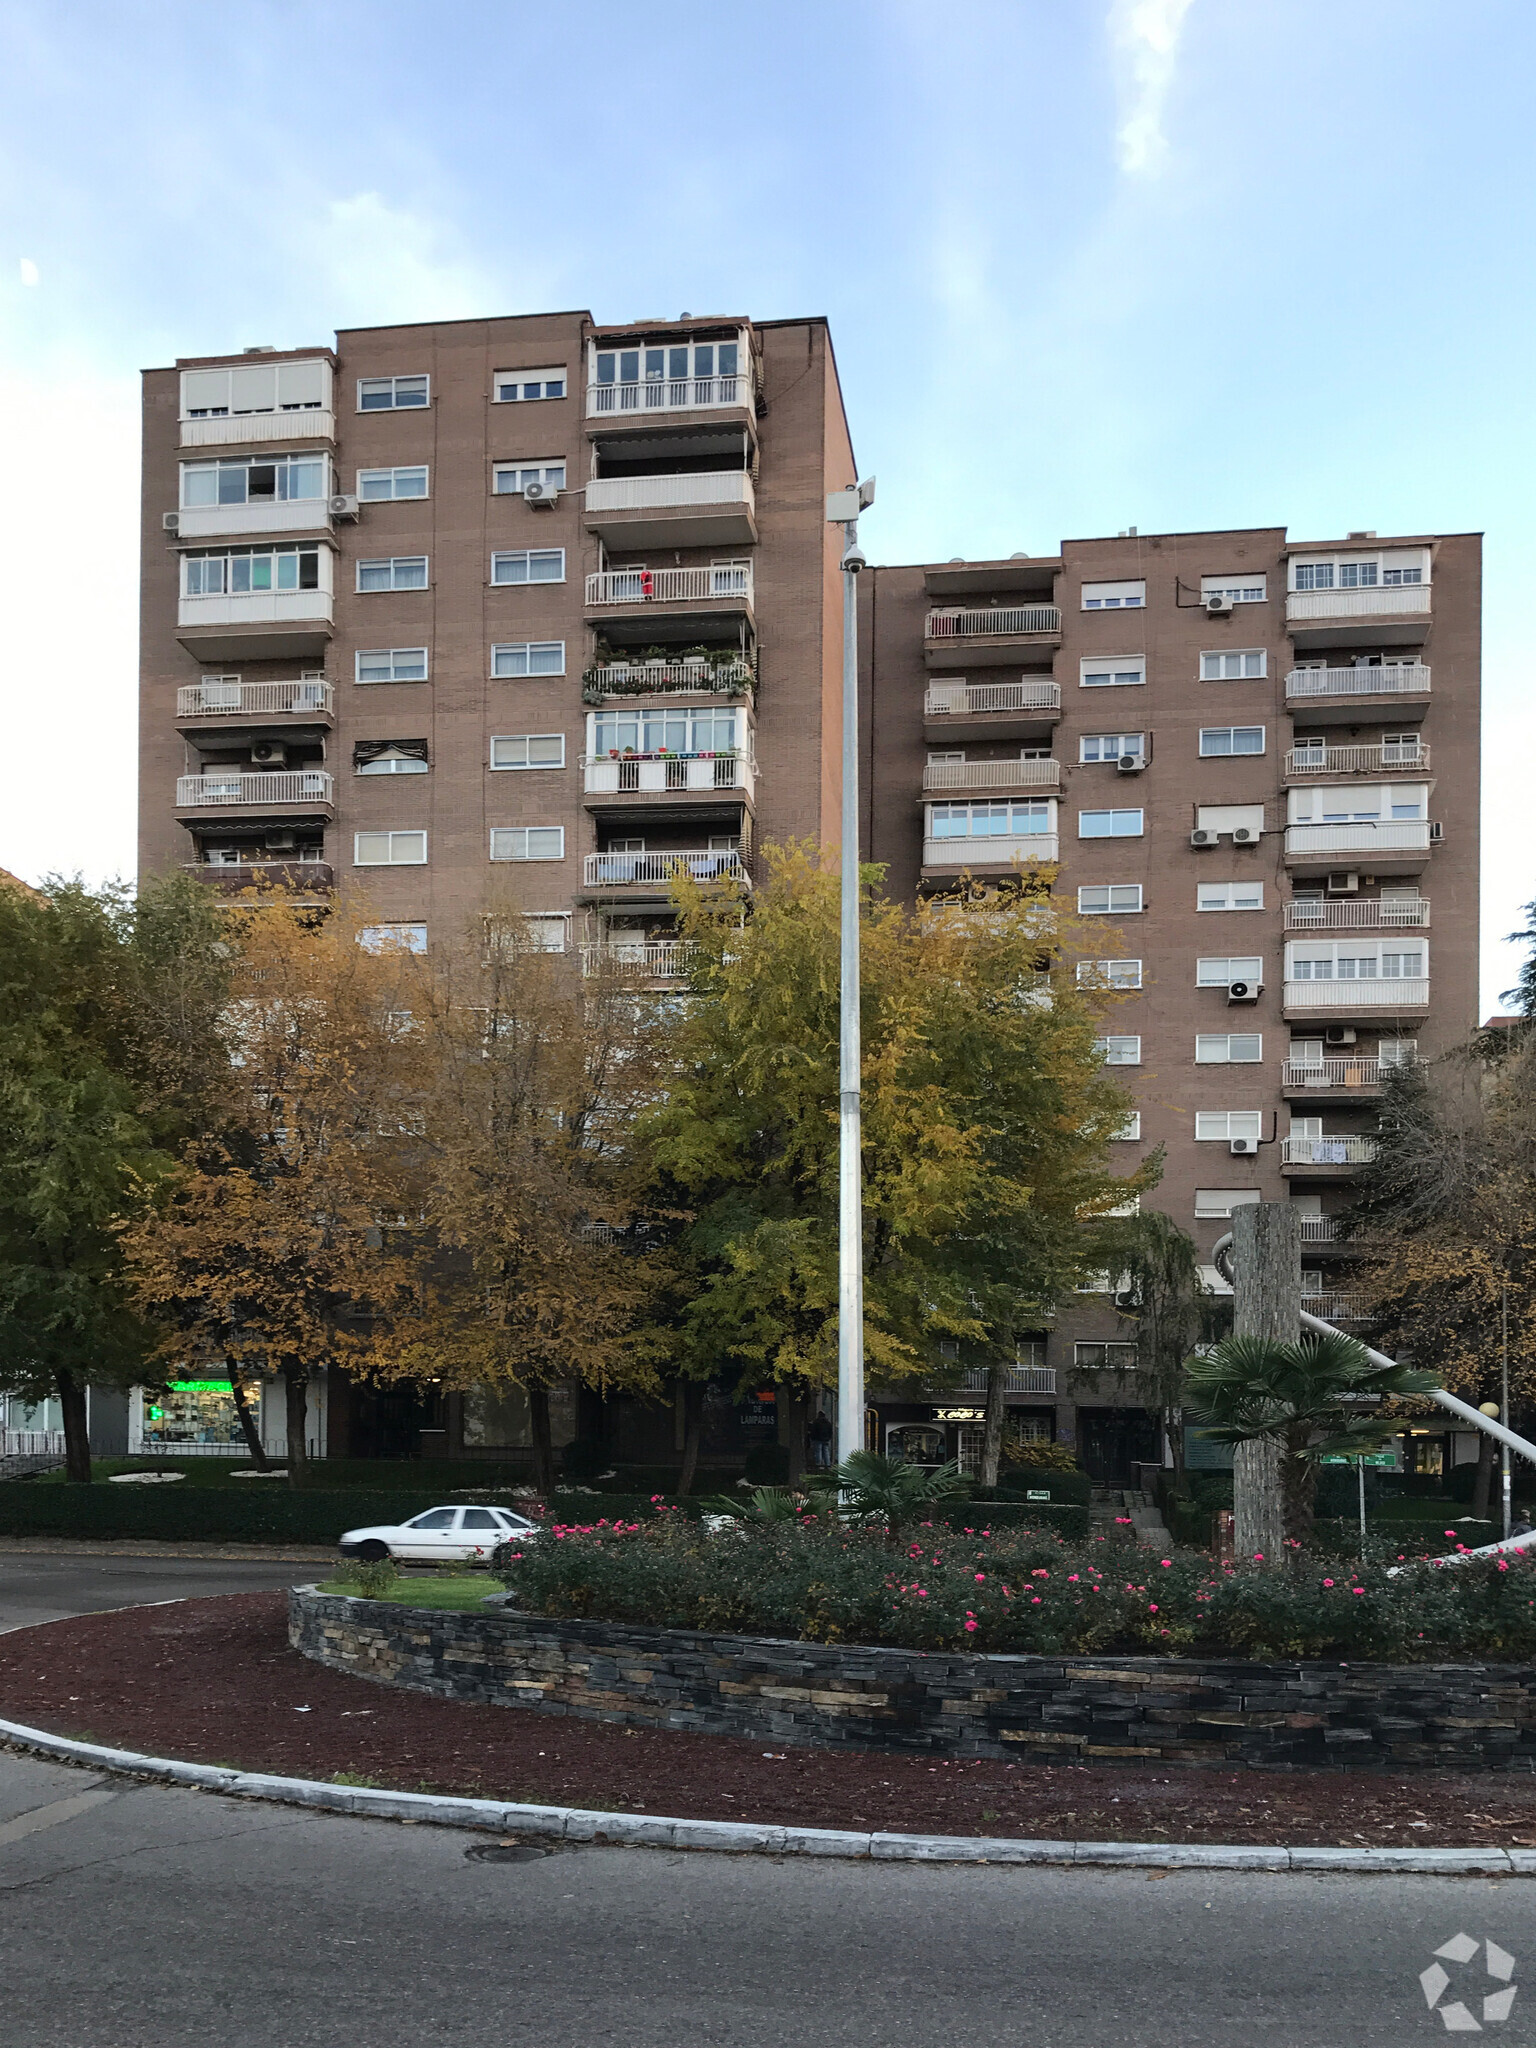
x,y
843,509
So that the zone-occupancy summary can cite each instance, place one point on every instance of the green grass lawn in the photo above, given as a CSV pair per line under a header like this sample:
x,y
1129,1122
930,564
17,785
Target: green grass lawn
x,y
459,1596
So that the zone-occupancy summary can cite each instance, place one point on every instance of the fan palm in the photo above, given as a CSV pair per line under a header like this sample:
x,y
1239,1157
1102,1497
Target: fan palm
x,y
877,1488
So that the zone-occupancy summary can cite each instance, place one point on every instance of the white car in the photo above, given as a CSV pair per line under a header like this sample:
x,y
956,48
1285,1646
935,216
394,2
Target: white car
x,y
440,1536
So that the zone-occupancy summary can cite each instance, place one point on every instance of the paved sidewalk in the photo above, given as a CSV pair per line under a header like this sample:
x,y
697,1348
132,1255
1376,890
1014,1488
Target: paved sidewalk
x,y
147,1546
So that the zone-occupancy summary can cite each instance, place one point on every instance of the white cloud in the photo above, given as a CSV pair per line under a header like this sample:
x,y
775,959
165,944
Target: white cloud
x,y
1145,36
381,263
30,274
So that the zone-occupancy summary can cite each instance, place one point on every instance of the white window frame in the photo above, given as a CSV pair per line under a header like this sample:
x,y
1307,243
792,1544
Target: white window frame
x,y
1211,1203
395,565
530,471
212,466
511,649
508,387
1362,802
1383,569
373,938
1086,889
1218,970
394,495
1220,1126
1132,811
1137,745
508,835
1207,1042
393,655
526,556
1109,974
307,373
1312,953
1229,818
1242,589
389,859
970,808
1129,1131
524,740
1216,664
410,404
546,919
1232,752
1203,889
1120,1048
1112,672
1127,595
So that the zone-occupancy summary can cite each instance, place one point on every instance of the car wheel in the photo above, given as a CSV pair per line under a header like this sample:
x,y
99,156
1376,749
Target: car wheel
x,y
373,1552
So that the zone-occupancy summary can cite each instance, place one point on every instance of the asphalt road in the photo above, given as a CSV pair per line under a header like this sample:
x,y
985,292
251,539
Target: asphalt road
x,y
42,1587
138,1916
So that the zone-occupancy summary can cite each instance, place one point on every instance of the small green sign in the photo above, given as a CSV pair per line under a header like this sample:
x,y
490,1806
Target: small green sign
x,y
1387,1458
1036,1494
198,1386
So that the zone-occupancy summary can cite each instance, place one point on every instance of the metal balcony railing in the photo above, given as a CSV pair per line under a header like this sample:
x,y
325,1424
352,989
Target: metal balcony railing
x,y
31,1443
992,775
1020,1379
953,855
1337,1151
1335,1308
623,870
649,959
664,493
276,786
1361,835
1391,679
1340,998
228,697
1391,600
1356,913
668,394
1356,760
647,775
993,622
733,678
1365,1072
670,586
958,697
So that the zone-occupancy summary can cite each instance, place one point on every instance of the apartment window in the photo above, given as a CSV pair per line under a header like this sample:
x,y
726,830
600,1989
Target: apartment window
x,y
1364,803
529,750
1109,899
1129,1130
528,842
1112,672
390,757
663,731
1235,589
548,931
1224,740
389,849
1109,824
1093,1357
1229,896
390,394
382,938
1109,974
1110,746
1120,1051
1228,1048
1397,1052
528,658
1232,665
1356,960
393,572
674,364
1247,818
1228,1123
373,485
990,821
529,565
1114,597
1219,970
392,665
1362,572
238,572
508,478
522,387
254,388
276,480
1213,1202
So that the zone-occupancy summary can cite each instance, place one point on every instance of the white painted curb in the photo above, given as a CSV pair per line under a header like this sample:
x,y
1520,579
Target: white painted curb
x,y
654,1831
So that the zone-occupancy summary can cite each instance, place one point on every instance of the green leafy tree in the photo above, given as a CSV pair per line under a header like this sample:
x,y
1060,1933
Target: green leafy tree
x,y
1162,1295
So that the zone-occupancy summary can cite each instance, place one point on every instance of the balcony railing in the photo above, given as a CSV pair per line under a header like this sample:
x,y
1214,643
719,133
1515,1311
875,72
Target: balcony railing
x,y
1391,679
1390,600
650,775
1319,1230
994,622
623,870
659,493
668,394
217,697
957,698
1020,1379
954,855
670,586
1345,997
648,959
1362,835
992,775
1336,1308
267,786
1356,760
31,1443
1355,914
1340,1151
605,679
232,430
1365,1072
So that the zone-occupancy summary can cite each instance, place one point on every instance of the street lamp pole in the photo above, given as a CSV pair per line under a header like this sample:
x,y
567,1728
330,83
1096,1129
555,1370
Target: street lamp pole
x,y
843,509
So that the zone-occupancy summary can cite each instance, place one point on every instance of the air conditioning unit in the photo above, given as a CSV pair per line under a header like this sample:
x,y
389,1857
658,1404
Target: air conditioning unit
x,y
171,521
1244,991
1243,1148
542,496
269,754
1244,835
281,842
1200,837
1218,605
342,506
1343,882
1130,764
1339,1034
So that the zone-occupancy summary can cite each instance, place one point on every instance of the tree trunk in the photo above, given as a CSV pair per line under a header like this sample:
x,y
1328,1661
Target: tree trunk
x,y
1266,1249
992,1424
77,1436
792,1407
296,1394
1173,1429
248,1427
1298,1485
543,1448
1482,1486
693,1432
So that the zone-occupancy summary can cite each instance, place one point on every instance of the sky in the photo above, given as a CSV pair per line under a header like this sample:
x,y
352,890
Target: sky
x,y
1089,264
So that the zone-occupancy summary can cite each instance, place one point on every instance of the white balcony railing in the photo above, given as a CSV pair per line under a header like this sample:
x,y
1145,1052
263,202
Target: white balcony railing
x,y
661,678
957,697
992,775
1335,1308
228,697
955,855
233,430
1340,1151
670,586
649,959
1343,998
668,394
1356,760
625,870
1319,1229
256,608
265,786
993,622
660,493
1365,1072
604,775
1021,1379
1356,914
1391,679
1362,835
1381,601
31,1443
283,515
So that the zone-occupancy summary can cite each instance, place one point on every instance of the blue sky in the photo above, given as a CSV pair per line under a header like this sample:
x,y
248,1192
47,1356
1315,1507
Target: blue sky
x,y
1089,264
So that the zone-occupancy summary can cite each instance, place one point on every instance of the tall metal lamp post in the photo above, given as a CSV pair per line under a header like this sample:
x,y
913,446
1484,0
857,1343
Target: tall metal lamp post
x,y
843,509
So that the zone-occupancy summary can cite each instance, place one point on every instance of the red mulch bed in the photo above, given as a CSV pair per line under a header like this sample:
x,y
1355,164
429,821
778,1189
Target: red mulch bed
x,y
214,1681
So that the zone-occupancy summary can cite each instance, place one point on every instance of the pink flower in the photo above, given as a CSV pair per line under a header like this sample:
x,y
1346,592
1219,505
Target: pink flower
x,y
981,1578
1151,1607
1451,1533
970,1627
1358,1589
1167,1564
1036,1601
1327,1582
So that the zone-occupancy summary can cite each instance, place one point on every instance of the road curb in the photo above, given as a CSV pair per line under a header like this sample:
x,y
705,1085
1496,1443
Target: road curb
x,y
656,1831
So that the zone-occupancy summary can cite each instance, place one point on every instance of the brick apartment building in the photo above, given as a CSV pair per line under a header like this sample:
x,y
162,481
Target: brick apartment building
x,y
530,611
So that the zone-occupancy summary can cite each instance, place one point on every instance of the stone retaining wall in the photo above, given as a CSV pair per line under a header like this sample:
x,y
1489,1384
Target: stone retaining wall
x,y
1045,1709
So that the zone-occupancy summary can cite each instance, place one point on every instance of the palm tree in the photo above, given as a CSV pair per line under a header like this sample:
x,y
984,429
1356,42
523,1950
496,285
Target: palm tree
x,y
1319,1397
880,1489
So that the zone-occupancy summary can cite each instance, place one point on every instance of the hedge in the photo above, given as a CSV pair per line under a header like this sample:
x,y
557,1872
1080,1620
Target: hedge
x,y
1018,1480
1065,1518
